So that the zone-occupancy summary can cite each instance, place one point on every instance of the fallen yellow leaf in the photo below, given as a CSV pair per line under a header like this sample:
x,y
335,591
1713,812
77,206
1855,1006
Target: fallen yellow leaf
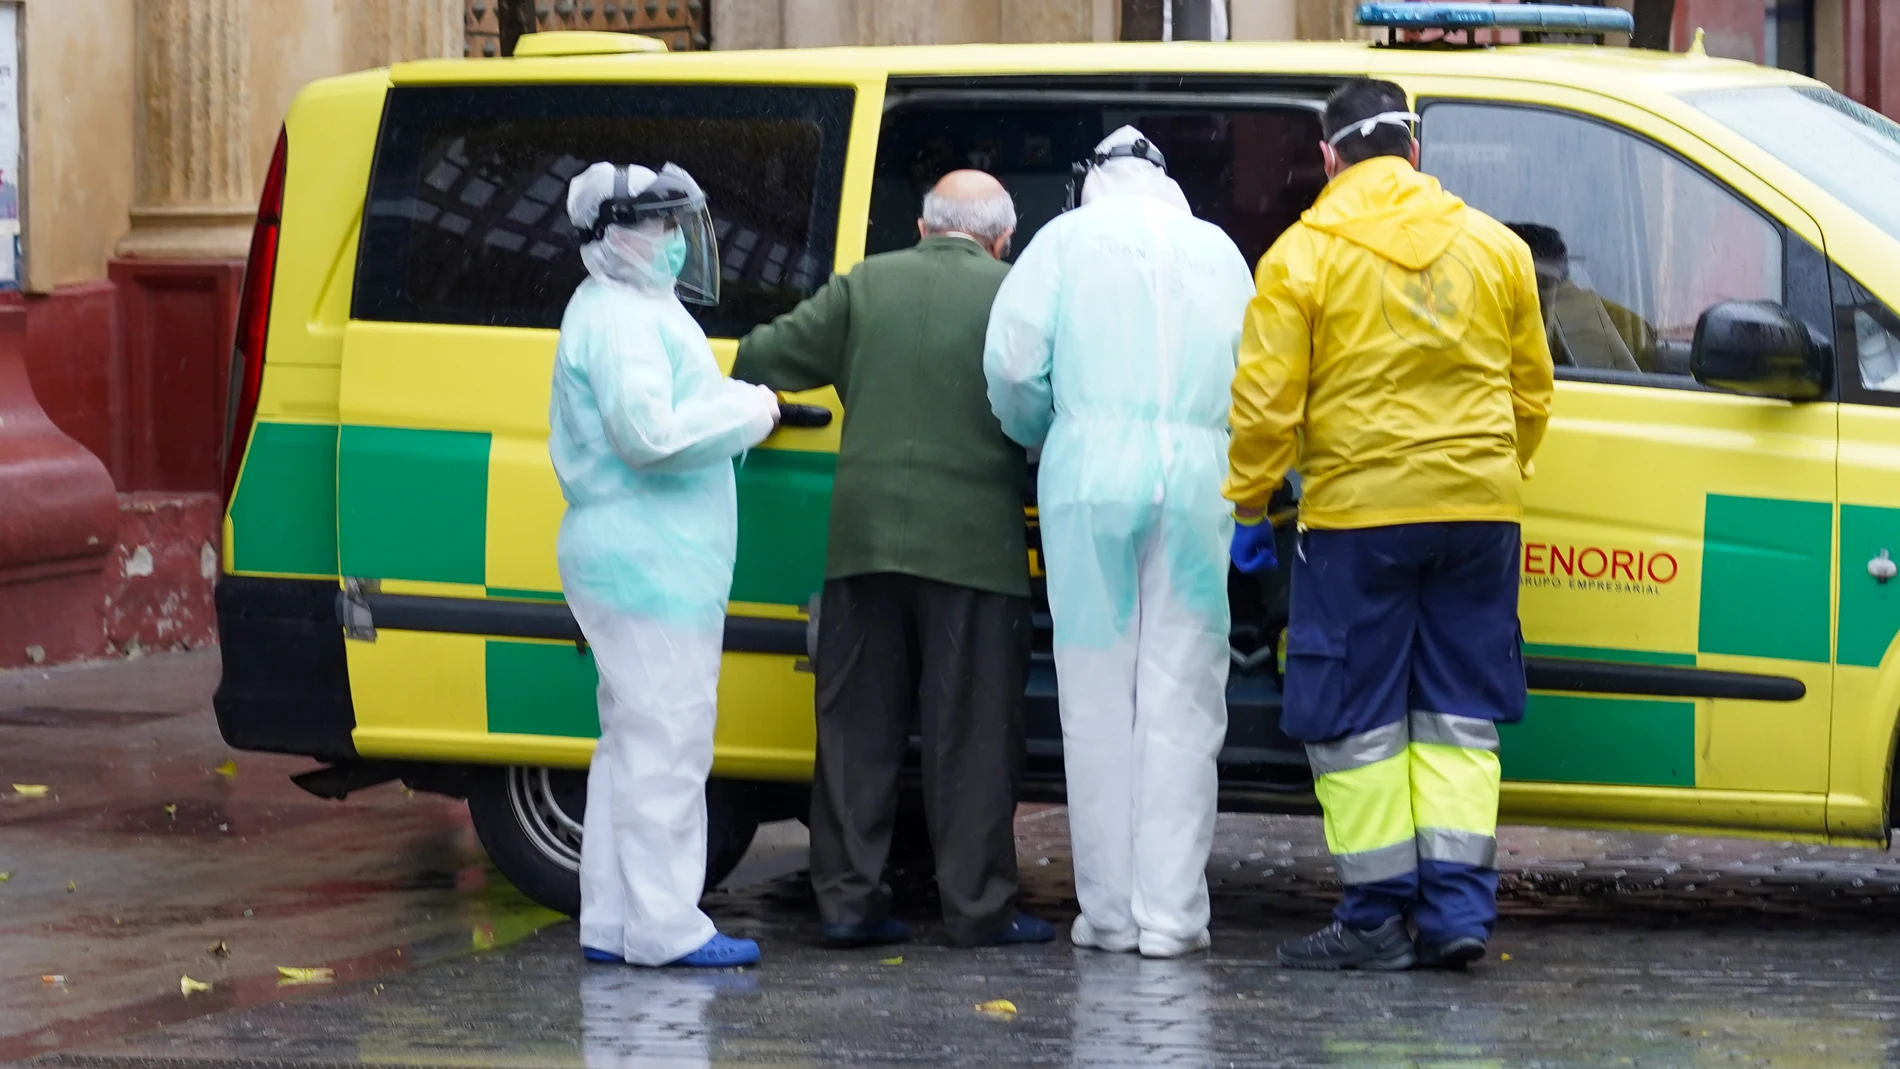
x,y
997,1005
228,769
483,937
31,790
72,886
890,961
219,949
294,975
186,985
171,811
5,876
1504,957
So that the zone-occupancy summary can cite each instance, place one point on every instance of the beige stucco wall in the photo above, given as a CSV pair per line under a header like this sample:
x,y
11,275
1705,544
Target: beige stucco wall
x,y
78,77
80,105
816,23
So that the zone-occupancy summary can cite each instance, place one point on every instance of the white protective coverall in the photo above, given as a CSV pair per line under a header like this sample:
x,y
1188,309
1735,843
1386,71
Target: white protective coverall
x,y
643,428
1112,346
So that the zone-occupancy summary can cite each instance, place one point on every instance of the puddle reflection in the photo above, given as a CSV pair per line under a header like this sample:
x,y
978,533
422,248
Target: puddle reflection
x,y
1131,1010
650,1018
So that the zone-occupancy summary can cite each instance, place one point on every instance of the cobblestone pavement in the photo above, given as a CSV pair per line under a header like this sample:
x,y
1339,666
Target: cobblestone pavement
x,y
1615,949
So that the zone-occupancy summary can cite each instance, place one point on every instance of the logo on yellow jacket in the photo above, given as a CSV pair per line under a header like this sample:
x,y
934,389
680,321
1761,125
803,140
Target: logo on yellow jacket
x,y
1429,308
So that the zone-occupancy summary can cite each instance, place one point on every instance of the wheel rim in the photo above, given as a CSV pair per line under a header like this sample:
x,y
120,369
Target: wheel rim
x,y
535,798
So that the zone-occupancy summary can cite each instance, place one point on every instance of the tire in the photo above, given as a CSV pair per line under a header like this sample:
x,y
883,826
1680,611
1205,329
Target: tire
x,y
529,821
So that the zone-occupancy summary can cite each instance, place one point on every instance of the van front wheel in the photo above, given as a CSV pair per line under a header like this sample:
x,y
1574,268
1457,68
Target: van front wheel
x,y
529,821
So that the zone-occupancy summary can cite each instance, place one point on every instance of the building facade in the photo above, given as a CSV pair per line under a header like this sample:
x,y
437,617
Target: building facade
x,y
144,128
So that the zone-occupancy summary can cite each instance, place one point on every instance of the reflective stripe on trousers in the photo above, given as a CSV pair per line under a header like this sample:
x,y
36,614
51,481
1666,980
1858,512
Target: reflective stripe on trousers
x,y
1425,787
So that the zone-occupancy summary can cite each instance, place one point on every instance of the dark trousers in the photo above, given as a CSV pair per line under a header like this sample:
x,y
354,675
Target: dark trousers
x,y
893,651
1403,654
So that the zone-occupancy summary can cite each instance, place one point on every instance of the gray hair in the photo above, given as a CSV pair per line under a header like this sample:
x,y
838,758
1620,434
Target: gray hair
x,y
986,217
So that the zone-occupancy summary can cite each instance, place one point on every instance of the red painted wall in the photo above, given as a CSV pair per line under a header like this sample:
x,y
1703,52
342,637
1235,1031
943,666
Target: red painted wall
x,y
134,368
1872,36
71,349
112,398
177,321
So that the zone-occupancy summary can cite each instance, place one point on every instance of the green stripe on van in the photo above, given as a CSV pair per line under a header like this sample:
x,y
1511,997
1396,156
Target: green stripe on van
x,y
1766,578
413,504
514,594
1609,655
1870,610
539,688
1567,738
283,518
784,510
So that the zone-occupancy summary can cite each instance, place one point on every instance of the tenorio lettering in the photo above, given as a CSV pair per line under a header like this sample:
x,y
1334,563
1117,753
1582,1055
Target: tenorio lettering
x,y
1609,564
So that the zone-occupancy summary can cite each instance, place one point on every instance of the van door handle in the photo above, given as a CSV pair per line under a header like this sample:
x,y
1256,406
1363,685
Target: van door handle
x,y
804,416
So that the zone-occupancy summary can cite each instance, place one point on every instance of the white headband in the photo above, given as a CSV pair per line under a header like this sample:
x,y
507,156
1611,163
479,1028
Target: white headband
x,y
1384,118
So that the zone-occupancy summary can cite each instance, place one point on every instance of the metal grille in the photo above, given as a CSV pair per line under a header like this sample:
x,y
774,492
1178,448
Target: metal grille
x,y
680,23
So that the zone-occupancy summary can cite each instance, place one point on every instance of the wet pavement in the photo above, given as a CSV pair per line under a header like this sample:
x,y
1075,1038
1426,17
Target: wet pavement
x,y
147,851
1615,949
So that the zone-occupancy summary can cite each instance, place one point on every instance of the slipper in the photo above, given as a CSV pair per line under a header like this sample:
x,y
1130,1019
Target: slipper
x,y
721,952
888,930
1024,928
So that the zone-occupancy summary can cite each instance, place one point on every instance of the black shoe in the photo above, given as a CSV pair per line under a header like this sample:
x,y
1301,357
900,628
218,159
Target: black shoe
x,y
888,930
1455,954
1387,948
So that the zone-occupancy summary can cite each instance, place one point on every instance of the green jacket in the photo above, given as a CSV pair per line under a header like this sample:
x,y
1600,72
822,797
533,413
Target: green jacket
x,y
927,484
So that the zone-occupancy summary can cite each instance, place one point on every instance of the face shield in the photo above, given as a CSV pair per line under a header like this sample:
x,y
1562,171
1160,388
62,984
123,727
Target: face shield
x,y
666,229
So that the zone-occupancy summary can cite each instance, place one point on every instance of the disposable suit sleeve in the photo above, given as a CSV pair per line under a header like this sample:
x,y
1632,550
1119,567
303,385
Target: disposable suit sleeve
x,y
1019,346
1531,372
1276,353
802,349
650,429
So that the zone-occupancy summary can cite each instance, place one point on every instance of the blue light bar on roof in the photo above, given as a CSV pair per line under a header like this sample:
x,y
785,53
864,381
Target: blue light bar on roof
x,y
1543,18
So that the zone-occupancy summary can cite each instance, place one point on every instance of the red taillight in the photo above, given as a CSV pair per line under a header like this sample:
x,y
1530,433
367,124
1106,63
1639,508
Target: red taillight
x,y
253,321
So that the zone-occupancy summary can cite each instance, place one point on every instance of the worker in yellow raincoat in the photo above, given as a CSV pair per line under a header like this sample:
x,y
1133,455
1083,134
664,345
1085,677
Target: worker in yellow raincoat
x,y
1395,353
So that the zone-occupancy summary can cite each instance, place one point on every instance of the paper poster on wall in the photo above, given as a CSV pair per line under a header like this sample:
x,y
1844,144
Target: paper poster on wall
x,y
9,145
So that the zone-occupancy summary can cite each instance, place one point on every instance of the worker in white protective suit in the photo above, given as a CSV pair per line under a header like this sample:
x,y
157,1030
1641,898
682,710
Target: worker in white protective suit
x,y
643,428
1111,346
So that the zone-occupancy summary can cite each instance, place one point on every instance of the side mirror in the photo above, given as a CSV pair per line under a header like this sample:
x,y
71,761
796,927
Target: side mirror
x,y
1759,348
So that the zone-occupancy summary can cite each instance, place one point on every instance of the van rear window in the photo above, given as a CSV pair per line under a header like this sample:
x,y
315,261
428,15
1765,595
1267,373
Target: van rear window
x,y
466,220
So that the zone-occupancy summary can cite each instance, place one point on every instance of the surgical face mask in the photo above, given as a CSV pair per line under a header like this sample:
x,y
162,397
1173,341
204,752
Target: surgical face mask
x,y
673,248
1364,127
642,256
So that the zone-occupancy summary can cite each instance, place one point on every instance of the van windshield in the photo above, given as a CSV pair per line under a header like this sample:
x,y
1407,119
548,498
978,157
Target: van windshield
x,y
1848,150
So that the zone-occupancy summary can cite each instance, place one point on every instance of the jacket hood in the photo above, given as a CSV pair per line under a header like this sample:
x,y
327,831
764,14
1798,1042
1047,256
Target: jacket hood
x,y
1385,206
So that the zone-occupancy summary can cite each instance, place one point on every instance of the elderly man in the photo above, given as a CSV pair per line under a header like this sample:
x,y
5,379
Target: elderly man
x,y
925,611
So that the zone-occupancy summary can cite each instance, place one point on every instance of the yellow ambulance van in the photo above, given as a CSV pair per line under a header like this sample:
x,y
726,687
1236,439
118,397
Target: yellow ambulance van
x,y
1707,605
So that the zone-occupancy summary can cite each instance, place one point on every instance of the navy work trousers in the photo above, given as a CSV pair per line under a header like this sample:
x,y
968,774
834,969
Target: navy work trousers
x,y
1403,654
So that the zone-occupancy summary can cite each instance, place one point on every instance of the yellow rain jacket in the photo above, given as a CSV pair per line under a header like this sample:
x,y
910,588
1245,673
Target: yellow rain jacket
x,y
1395,349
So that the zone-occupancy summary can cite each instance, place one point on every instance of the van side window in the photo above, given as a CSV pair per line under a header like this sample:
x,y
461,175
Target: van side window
x,y
1250,171
1868,335
466,220
1630,242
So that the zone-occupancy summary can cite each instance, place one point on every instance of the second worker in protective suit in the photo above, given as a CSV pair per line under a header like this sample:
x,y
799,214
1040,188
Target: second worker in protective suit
x,y
643,427
1112,346
1395,350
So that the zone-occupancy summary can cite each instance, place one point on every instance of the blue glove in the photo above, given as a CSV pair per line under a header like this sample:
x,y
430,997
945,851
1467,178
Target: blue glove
x,y
1253,549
